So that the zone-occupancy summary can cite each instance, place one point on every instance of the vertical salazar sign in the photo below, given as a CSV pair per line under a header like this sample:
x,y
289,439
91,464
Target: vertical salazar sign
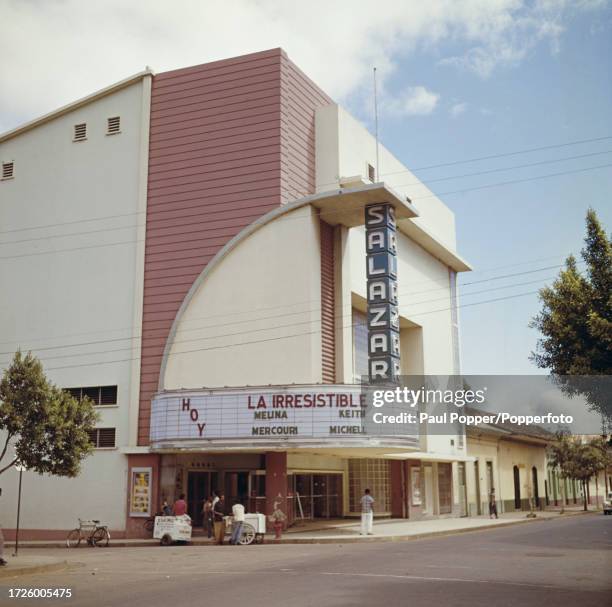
x,y
383,314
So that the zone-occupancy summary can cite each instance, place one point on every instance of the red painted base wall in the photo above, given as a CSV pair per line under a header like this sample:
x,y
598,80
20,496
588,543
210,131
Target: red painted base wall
x,y
134,527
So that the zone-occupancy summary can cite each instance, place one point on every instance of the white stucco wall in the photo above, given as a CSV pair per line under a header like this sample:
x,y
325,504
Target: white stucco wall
x,y
424,298
483,449
505,454
524,456
256,318
344,148
72,290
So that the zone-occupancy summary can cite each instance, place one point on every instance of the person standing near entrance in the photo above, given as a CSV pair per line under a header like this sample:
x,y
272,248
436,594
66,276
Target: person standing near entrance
x,y
367,513
180,506
207,512
219,518
237,523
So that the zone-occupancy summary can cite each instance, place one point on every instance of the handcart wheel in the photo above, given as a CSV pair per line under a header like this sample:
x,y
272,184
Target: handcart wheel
x,y
166,540
248,535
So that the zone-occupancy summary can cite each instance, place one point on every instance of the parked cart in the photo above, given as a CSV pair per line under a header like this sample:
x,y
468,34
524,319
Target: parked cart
x,y
253,528
172,529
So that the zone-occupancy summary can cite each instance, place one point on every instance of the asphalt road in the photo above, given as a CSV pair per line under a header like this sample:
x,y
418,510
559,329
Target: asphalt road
x,y
561,562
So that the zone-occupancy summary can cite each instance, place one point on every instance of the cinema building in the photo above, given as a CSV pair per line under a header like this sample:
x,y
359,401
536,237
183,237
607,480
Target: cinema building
x,y
199,239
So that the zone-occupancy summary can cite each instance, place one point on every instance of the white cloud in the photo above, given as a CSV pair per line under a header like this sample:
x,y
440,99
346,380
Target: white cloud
x,y
413,101
457,109
55,52
505,33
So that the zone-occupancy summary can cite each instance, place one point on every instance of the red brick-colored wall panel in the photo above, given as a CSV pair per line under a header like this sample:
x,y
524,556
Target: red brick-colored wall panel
x,y
229,141
328,304
300,99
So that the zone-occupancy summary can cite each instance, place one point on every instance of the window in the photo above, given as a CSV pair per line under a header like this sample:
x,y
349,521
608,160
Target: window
x,y
100,395
80,132
102,438
372,474
371,173
113,126
8,169
445,485
360,345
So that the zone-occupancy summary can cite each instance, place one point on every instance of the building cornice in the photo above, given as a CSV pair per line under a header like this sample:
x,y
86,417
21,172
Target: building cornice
x,y
113,88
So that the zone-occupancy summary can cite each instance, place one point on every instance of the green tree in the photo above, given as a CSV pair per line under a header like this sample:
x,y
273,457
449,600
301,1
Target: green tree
x,y
46,427
602,444
576,323
560,455
587,461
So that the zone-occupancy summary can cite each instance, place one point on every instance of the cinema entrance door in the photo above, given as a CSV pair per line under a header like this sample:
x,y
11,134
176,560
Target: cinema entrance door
x,y
317,495
200,485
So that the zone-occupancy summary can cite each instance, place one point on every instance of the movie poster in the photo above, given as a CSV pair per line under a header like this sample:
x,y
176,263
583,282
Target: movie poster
x,y
140,497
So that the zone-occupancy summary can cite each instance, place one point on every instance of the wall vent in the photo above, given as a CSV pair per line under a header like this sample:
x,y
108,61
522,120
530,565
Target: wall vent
x,y
7,170
102,438
113,125
80,132
99,395
371,173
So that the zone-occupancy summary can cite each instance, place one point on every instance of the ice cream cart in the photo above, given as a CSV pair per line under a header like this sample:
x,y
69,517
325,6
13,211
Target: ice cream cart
x,y
172,529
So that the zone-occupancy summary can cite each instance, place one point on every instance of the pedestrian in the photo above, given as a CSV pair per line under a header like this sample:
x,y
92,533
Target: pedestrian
x,y
166,510
180,506
237,523
207,511
492,504
219,519
278,519
367,514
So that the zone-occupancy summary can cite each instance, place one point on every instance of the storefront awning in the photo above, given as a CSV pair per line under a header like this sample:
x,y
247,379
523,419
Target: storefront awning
x,y
429,457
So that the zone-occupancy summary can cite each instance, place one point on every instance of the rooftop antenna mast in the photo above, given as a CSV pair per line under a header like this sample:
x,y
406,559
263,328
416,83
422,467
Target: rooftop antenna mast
x,y
376,124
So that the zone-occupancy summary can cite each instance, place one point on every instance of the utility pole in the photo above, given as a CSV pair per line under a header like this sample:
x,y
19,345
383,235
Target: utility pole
x,y
20,468
376,125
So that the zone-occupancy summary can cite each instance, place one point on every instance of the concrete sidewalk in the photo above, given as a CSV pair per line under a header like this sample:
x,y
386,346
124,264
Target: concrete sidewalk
x,y
346,531
401,529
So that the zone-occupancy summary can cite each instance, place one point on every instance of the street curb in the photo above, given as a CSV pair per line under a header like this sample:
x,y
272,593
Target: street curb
x,y
349,539
418,536
18,571
407,538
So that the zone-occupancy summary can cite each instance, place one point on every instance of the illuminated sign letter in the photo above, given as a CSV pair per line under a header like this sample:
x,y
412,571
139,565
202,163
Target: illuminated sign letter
x,y
383,314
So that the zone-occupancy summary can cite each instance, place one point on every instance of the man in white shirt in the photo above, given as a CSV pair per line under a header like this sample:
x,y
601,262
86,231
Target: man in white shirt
x,y
367,514
238,514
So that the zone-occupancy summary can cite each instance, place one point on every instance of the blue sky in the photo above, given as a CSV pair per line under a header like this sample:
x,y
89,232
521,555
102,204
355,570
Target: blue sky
x,y
458,79
549,98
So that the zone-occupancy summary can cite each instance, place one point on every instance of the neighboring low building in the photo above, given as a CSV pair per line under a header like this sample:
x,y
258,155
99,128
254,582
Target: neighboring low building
x,y
513,459
510,459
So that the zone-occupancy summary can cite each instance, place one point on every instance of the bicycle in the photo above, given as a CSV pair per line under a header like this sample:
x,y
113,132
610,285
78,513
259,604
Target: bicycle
x,y
99,535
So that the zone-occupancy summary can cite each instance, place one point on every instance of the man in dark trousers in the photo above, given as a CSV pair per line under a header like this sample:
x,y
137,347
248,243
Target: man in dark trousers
x,y
219,518
492,504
